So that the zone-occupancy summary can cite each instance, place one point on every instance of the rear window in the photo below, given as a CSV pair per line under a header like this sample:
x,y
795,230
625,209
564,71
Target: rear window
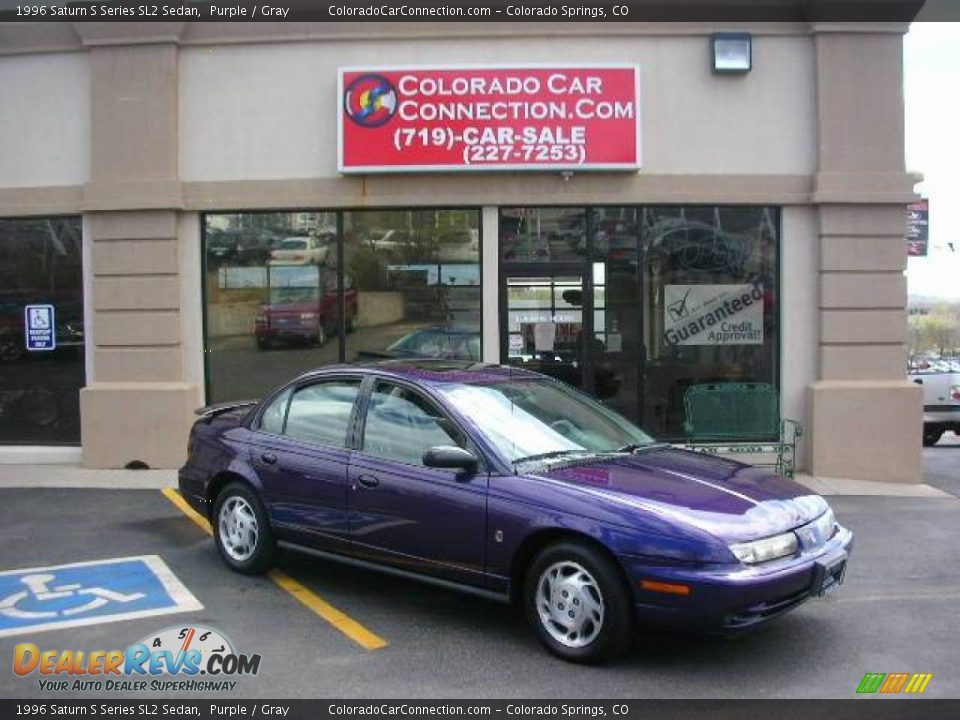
x,y
293,245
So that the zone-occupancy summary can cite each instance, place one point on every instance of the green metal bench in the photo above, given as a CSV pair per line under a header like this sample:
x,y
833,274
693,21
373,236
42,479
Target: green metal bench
x,y
740,418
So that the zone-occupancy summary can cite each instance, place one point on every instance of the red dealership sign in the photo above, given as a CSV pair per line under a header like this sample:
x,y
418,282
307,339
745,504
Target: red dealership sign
x,y
489,118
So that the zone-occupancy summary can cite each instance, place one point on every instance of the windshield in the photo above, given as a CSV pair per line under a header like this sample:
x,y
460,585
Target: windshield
x,y
536,419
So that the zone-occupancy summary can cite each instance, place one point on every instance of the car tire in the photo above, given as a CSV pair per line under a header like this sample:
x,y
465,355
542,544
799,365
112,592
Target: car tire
x,y
598,600
241,530
263,344
931,436
321,334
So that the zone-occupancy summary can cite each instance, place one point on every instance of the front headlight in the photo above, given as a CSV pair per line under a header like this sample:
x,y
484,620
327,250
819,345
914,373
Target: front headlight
x,y
770,548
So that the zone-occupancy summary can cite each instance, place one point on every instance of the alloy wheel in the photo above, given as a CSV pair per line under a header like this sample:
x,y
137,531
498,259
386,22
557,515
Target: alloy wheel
x,y
570,604
239,532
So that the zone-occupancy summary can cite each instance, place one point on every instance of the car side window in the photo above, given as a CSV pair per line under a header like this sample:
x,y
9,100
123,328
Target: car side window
x,y
320,412
402,425
272,419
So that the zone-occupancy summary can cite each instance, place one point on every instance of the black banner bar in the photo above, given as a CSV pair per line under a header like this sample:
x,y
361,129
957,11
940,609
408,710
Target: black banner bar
x,y
466,10
874,708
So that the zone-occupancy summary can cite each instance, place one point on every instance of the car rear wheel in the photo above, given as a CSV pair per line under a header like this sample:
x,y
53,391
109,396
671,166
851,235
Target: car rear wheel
x,y
576,602
263,343
241,530
931,436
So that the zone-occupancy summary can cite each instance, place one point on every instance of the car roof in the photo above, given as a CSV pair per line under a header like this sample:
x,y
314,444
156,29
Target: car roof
x,y
431,371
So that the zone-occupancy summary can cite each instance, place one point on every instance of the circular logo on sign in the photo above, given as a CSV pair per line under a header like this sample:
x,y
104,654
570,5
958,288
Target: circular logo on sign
x,y
370,101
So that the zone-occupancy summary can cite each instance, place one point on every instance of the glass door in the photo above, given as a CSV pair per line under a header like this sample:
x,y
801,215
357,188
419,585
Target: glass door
x,y
547,326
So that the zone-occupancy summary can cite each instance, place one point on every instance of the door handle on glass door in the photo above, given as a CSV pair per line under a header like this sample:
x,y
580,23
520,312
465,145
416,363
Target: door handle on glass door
x,y
368,481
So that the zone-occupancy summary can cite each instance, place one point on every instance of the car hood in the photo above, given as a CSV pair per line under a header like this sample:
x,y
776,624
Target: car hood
x,y
727,499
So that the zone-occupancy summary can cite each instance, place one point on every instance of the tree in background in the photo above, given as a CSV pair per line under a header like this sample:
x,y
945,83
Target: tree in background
x,y
936,331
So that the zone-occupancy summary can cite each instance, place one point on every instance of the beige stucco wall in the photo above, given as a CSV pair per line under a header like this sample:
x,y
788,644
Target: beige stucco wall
x,y
44,120
269,111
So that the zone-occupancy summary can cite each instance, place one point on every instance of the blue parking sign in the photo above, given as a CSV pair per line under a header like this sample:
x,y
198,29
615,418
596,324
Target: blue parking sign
x,y
40,327
90,593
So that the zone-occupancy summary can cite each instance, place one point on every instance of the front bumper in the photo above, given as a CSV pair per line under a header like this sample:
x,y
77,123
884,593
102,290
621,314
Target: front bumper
x,y
738,597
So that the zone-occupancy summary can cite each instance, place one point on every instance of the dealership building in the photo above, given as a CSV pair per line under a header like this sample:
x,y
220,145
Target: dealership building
x,y
193,213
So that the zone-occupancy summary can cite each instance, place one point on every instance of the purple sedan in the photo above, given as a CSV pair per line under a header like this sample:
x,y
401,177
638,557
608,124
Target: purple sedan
x,y
510,485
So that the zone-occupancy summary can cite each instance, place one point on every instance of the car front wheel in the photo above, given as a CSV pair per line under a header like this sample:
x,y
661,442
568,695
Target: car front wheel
x,y
576,602
241,530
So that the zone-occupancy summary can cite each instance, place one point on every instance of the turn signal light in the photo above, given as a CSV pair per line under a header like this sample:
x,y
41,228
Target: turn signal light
x,y
669,588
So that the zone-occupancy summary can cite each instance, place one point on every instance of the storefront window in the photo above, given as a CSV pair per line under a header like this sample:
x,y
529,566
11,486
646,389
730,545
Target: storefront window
x,y
710,296
411,288
40,381
271,299
415,284
543,235
669,297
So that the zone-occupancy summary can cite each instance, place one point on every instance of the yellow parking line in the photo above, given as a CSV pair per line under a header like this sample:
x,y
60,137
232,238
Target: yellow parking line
x,y
177,499
339,619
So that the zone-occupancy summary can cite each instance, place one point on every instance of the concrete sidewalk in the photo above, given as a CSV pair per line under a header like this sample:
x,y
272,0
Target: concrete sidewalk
x,y
73,476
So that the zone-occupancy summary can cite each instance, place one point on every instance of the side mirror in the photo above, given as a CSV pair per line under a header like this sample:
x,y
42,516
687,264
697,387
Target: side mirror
x,y
450,457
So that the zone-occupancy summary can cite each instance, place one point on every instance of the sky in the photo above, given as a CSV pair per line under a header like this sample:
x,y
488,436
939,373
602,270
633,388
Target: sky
x,y
932,97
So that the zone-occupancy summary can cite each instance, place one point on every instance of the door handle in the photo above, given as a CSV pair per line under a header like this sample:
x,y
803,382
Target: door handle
x,y
368,481
269,458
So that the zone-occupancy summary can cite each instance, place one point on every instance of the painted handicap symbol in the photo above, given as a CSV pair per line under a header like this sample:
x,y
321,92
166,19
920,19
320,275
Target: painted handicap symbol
x,y
89,593
38,588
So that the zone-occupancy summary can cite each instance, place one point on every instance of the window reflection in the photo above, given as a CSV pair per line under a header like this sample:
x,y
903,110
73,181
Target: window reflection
x,y
543,234
40,264
417,283
272,301
411,288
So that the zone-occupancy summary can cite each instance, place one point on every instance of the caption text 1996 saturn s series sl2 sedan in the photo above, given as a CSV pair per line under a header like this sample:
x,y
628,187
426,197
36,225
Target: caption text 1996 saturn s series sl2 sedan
x,y
512,485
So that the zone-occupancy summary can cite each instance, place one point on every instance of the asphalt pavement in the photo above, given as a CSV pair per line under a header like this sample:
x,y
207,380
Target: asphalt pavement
x,y
897,612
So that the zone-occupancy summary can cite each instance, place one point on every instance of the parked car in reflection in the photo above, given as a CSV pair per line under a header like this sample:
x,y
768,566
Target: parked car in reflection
x,y
431,342
240,247
388,239
307,313
307,250
513,486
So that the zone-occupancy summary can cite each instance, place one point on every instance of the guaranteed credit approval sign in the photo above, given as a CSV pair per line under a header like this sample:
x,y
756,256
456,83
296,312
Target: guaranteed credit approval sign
x,y
560,117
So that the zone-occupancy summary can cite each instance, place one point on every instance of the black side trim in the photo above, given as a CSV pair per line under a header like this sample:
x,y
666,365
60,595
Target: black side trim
x,y
447,584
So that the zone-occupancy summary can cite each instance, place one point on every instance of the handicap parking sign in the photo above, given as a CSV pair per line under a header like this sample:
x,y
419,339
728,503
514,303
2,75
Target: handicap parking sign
x,y
40,327
90,593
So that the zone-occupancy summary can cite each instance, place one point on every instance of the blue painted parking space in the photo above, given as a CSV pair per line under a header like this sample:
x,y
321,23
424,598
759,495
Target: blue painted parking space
x,y
90,593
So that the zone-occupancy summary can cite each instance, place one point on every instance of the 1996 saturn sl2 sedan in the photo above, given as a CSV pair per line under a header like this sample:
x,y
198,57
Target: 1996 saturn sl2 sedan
x,y
509,484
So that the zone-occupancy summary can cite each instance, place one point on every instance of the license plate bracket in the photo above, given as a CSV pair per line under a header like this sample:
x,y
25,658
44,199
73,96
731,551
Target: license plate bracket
x,y
828,575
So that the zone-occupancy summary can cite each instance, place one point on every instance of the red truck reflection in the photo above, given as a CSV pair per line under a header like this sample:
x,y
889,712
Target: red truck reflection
x,y
303,306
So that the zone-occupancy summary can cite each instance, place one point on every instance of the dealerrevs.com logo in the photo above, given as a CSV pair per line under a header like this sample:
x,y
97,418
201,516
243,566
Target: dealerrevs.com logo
x,y
185,659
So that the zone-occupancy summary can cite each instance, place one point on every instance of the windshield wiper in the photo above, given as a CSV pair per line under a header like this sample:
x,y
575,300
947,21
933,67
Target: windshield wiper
x,y
636,447
549,455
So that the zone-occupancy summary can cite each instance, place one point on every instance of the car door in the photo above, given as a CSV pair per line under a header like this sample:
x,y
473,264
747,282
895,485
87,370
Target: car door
x,y
426,520
300,452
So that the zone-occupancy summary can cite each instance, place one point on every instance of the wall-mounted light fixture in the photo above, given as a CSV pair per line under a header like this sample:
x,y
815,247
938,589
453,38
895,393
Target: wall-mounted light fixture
x,y
732,52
